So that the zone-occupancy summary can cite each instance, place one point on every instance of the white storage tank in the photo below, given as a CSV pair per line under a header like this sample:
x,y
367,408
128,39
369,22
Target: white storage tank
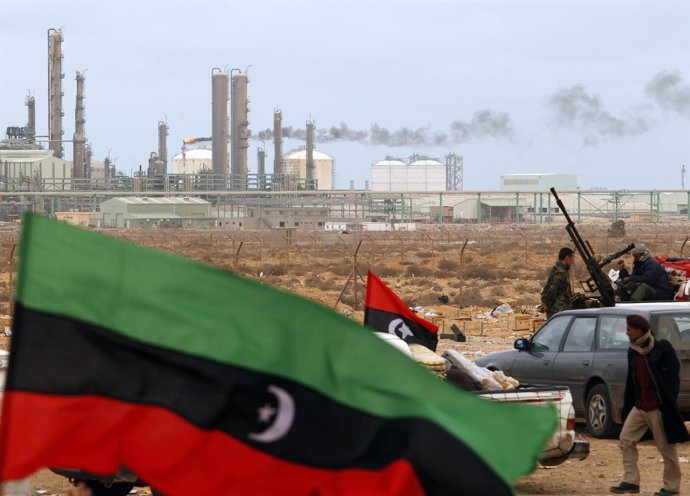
x,y
193,161
295,164
396,175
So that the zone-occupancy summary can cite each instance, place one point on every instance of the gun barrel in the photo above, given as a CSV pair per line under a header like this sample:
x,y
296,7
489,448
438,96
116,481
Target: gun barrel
x,y
606,260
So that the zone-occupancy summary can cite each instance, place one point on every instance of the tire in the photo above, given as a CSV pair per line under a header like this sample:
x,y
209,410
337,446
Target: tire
x,y
598,416
99,488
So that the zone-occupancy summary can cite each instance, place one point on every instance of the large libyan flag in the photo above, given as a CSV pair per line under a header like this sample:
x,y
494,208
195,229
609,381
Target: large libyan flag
x,y
202,382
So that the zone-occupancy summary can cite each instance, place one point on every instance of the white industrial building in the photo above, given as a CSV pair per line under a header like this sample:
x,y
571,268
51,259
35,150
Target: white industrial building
x,y
396,175
193,161
538,182
132,211
37,167
295,164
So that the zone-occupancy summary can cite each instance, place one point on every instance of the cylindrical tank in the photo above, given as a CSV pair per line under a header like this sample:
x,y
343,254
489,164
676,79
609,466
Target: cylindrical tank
x,y
219,120
239,122
295,164
55,76
192,161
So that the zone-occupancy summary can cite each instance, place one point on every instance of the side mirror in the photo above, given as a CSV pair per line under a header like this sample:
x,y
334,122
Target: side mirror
x,y
521,344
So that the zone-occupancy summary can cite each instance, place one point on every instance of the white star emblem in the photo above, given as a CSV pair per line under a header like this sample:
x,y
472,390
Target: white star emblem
x,y
265,413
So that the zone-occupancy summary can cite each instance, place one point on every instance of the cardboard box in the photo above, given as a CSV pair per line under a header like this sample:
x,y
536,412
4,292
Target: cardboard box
x,y
473,327
537,323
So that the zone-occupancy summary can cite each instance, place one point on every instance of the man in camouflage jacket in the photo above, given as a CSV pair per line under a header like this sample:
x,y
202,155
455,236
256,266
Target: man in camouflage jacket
x,y
557,294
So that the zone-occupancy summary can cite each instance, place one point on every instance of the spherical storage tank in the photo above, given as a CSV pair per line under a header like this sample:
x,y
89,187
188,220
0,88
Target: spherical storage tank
x,y
193,161
295,163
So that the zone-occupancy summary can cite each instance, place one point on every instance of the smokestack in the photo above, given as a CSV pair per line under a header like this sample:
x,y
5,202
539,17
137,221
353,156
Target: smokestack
x,y
219,120
239,131
261,162
278,142
79,143
31,124
261,167
310,155
163,144
55,76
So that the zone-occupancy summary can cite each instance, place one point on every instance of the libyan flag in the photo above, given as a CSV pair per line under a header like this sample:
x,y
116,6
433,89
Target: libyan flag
x,y
385,312
202,382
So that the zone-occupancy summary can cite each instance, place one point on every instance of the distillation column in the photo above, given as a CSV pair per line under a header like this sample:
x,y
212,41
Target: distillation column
x,y
55,76
310,156
219,120
239,132
277,142
79,140
163,145
31,124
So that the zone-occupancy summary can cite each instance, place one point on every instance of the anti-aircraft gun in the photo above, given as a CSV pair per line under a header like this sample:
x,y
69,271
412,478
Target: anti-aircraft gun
x,y
598,280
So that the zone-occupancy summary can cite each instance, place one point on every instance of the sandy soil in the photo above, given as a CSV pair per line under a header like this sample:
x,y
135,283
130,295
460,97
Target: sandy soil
x,y
527,256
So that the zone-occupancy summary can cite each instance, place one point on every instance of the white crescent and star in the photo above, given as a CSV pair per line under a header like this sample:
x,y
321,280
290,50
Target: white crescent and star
x,y
283,417
399,325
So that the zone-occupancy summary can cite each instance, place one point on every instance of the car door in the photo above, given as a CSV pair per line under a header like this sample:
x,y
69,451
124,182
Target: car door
x,y
611,358
675,327
534,366
572,366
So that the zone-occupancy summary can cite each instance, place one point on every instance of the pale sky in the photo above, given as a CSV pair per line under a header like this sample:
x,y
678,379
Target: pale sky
x,y
592,88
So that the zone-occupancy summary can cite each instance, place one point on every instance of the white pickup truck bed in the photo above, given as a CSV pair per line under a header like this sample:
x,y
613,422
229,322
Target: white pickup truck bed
x,y
562,445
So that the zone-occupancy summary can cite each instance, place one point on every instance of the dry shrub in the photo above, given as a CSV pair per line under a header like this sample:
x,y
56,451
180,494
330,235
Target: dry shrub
x,y
448,265
425,254
486,272
274,270
385,271
414,269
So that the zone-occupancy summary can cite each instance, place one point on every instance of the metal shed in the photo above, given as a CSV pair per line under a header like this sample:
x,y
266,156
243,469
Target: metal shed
x,y
155,212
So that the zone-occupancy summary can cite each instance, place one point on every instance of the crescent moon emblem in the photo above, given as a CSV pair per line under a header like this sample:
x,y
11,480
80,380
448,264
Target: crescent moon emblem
x,y
282,422
404,330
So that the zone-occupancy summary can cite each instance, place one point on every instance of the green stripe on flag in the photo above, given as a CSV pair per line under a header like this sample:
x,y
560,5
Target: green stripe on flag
x,y
179,304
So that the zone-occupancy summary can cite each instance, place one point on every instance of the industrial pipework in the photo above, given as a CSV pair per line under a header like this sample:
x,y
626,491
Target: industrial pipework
x,y
219,120
55,76
79,140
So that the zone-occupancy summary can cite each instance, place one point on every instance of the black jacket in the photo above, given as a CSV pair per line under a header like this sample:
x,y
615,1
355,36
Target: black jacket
x,y
651,272
665,369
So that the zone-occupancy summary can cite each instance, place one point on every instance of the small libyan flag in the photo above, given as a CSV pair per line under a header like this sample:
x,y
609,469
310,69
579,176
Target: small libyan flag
x,y
385,312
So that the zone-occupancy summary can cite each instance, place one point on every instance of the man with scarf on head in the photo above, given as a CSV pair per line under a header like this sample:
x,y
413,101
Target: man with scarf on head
x,y
651,403
649,280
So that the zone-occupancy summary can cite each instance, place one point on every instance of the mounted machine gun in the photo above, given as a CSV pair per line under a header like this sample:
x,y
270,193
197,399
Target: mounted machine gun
x,y
598,280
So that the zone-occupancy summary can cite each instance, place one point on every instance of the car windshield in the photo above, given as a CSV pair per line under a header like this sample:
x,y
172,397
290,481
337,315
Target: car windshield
x,y
550,336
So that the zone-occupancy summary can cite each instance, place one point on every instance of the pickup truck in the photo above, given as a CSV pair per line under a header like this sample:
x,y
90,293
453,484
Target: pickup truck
x,y
562,445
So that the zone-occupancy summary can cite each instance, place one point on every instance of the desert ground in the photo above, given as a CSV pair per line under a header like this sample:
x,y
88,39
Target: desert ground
x,y
452,274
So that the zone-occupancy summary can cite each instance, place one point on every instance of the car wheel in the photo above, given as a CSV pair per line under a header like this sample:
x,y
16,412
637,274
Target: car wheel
x,y
99,488
599,419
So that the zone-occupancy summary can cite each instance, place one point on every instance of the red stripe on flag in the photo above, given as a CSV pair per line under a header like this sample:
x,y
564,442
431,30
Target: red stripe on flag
x,y
380,297
99,435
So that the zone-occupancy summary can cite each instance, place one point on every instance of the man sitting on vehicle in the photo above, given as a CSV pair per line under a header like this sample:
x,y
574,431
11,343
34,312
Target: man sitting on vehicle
x,y
648,281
